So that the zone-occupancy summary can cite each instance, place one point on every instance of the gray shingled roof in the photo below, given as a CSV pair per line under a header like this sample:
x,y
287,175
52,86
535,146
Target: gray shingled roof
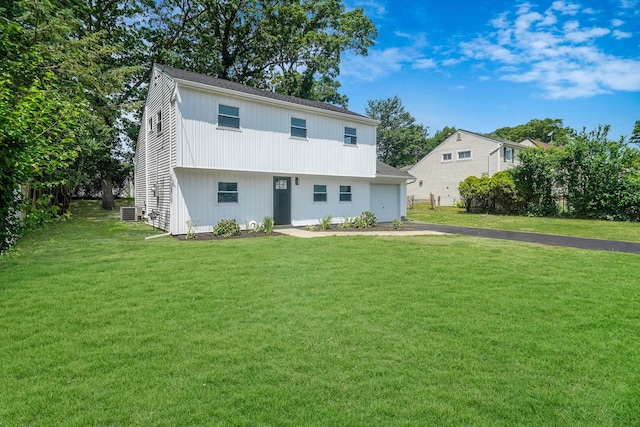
x,y
189,76
383,169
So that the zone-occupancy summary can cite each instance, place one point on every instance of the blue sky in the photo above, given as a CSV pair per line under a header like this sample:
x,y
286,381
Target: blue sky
x,y
483,65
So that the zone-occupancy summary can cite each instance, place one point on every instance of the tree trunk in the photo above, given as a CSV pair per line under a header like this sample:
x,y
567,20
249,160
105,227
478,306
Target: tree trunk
x,y
107,193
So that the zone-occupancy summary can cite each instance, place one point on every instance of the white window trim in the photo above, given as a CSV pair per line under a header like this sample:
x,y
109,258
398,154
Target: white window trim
x,y
237,192
345,134
159,122
306,129
442,160
223,127
466,158
325,192
340,193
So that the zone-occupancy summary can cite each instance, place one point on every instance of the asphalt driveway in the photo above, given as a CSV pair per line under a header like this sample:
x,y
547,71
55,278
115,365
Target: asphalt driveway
x,y
543,239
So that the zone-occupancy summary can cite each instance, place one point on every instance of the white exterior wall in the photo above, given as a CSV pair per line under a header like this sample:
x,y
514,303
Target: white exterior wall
x,y
442,178
264,143
153,154
195,198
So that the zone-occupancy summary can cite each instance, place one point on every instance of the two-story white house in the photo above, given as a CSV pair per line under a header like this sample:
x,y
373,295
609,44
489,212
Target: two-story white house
x,y
210,149
461,155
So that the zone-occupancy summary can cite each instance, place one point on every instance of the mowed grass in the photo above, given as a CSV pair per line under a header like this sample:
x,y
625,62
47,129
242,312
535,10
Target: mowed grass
x,y
596,229
101,327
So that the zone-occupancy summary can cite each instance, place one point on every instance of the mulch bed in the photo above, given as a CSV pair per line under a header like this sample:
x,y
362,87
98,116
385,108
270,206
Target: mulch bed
x,y
243,235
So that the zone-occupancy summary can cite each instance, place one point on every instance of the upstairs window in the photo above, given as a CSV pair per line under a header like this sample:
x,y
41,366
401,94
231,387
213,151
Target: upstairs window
x,y
508,154
350,136
464,155
345,193
150,125
298,128
319,193
227,192
228,117
159,121
446,157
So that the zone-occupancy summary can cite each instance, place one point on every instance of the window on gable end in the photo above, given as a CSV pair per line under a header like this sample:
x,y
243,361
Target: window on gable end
x,y
463,155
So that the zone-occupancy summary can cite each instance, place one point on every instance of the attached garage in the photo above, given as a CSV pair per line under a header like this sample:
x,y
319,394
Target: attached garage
x,y
385,201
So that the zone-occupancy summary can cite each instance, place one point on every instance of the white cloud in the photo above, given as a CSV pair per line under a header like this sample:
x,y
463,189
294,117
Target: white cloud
x,y
423,64
619,35
371,7
551,49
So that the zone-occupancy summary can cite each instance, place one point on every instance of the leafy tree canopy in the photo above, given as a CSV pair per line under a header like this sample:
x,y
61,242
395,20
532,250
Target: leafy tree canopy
x,y
545,130
400,140
293,47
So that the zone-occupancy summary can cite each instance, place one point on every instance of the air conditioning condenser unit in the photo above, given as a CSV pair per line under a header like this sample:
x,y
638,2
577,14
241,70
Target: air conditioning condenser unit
x,y
130,213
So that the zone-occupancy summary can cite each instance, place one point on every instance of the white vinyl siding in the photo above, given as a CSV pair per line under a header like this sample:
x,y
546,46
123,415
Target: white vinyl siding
x,y
265,143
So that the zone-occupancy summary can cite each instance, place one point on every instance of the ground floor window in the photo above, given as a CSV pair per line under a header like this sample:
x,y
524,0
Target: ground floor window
x,y
319,193
345,193
227,192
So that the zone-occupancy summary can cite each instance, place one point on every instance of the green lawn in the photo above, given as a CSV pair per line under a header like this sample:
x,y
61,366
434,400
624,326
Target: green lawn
x,y
101,327
610,230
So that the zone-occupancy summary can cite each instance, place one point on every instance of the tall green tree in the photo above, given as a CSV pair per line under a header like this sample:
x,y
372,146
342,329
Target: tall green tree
x,y
545,130
293,47
400,140
635,135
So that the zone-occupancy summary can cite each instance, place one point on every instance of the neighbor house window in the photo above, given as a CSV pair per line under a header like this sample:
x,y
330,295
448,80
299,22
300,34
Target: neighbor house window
x,y
446,157
150,127
464,154
159,121
508,154
298,128
227,192
228,117
319,193
350,136
345,193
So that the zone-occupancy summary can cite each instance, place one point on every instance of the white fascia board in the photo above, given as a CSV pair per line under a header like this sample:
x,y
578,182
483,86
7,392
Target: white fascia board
x,y
270,101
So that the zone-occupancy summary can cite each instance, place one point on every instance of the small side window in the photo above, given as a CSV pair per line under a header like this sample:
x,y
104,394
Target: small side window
x,y
446,157
159,122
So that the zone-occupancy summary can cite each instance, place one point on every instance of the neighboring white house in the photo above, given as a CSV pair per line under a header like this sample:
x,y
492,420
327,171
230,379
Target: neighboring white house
x,y
211,149
459,156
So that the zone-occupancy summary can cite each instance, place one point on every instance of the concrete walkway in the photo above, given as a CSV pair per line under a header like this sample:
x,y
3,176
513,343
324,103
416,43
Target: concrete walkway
x,y
425,229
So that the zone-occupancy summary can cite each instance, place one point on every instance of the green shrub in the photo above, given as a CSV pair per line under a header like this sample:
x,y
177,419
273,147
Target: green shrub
x,y
267,224
346,223
397,224
365,220
370,218
325,222
191,229
226,228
